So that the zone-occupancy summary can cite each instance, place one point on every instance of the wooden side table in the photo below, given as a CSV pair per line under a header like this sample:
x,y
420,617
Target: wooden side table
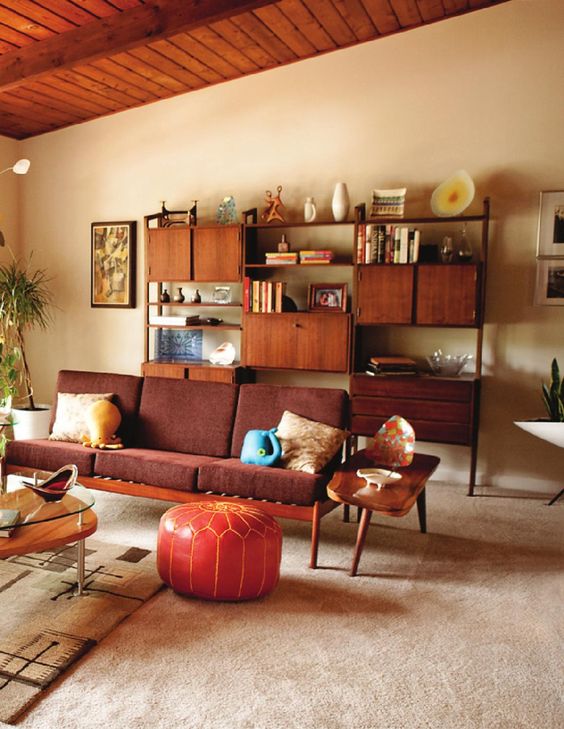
x,y
395,499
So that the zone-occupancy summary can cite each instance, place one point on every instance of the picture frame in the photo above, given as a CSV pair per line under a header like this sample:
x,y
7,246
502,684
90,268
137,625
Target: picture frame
x,y
549,288
327,297
550,237
112,261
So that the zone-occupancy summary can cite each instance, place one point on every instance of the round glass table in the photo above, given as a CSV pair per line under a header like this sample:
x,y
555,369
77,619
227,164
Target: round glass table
x,y
32,524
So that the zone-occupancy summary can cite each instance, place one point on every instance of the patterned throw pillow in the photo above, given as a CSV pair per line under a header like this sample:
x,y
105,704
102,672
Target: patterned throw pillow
x,y
307,445
70,422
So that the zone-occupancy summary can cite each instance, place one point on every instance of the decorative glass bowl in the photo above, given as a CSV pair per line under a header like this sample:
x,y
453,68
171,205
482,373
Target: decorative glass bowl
x,y
448,365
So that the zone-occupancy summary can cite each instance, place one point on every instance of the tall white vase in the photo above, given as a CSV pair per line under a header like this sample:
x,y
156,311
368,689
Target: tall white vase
x,y
340,202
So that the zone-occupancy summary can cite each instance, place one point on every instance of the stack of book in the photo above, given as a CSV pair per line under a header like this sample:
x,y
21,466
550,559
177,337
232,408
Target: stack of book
x,y
316,256
8,518
281,259
387,244
263,297
392,365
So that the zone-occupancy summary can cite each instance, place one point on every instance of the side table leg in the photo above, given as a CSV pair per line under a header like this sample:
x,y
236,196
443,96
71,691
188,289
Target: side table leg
x,y
422,512
360,539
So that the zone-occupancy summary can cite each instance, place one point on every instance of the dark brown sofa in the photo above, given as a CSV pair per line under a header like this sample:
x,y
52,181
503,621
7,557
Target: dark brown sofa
x,y
183,440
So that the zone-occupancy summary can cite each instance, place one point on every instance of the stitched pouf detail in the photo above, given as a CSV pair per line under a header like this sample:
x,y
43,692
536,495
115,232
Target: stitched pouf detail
x,y
219,550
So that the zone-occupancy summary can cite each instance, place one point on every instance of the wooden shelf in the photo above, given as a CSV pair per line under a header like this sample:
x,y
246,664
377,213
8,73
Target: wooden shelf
x,y
315,224
190,304
333,264
233,327
200,364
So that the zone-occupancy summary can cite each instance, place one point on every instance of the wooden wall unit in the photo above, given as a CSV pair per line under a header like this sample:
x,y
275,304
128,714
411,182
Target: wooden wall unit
x,y
442,295
441,409
180,254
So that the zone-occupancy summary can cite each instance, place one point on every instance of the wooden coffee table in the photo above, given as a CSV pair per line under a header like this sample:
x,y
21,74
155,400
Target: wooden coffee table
x,y
44,525
395,499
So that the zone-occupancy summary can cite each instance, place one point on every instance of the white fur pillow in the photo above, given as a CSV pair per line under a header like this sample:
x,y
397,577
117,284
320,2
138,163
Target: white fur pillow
x,y
306,444
70,422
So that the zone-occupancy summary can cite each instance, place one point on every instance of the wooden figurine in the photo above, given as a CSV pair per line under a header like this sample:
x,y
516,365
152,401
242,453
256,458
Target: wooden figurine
x,y
272,212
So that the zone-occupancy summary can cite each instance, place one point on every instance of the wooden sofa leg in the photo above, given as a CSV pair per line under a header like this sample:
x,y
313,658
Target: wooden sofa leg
x,y
315,526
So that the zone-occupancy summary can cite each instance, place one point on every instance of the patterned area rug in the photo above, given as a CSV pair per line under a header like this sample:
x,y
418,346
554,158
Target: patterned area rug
x,y
45,628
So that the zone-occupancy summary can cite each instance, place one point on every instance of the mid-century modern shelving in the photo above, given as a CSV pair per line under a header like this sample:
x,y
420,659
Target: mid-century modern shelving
x,y
423,294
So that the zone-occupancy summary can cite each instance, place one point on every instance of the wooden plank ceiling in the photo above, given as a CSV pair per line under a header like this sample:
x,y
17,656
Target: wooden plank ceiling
x,y
66,61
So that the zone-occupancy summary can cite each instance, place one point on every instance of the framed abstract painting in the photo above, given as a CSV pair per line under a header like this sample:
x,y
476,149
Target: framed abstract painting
x,y
113,248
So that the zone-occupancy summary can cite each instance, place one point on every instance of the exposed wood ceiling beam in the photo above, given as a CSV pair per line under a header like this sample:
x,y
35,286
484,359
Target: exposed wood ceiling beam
x,y
114,34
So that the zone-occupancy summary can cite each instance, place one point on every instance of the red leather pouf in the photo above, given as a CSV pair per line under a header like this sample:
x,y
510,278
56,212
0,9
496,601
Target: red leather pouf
x,y
219,550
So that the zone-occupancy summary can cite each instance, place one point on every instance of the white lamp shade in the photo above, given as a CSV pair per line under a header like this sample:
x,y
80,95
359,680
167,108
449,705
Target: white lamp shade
x,y
21,167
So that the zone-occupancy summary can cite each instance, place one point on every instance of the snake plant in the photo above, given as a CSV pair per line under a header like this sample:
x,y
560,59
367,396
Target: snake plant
x,y
553,396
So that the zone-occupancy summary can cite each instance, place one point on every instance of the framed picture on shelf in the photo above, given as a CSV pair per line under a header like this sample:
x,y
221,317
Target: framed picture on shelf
x,y
549,289
327,297
551,224
112,258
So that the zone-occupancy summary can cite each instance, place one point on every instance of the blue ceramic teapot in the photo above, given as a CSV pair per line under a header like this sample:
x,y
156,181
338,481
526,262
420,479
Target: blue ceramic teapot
x,y
261,447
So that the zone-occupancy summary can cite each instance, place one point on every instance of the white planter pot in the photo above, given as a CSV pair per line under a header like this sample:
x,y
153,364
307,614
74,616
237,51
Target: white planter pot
x,y
29,424
545,429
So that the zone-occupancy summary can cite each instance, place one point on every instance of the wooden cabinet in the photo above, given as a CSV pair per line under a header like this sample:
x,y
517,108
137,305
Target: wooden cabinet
x,y
194,254
448,295
167,254
299,341
216,253
385,294
439,409
198,371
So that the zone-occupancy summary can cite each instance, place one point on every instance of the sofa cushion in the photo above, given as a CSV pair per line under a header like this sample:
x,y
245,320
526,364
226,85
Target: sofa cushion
x,y
261,407
234,478
186,416
50,455
125,388
306,444
156,468
71,422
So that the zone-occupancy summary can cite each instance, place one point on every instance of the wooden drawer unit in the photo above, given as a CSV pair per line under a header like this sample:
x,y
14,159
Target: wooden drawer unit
x,y
186,371
440,410
298,341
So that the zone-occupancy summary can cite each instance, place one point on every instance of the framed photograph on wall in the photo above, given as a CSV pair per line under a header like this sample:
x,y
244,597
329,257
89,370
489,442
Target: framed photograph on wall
x,y
112,260
551,224
327,297
549,289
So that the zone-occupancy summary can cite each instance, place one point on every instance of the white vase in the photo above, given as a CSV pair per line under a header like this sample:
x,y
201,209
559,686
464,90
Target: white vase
x,y
30,424
310,211
340,202
548,430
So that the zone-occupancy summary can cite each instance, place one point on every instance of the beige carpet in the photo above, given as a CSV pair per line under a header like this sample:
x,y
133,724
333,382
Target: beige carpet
x,y
456,629
45,628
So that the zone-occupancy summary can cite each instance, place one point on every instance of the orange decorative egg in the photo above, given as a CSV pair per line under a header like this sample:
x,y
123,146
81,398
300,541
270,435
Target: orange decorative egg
x,y
394,443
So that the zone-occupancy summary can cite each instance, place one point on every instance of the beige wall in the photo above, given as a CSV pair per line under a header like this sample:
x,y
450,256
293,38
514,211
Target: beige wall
x,y
10,189
482,91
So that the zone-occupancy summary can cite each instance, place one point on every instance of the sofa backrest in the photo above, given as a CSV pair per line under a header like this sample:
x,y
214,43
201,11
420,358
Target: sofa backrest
x,y
186,416
260,407
126,389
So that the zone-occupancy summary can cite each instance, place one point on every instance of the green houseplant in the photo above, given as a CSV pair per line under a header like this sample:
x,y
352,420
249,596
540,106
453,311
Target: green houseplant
x,y
553,396
551,428
25,303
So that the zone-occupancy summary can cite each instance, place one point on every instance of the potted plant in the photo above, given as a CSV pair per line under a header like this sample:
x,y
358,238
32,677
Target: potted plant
x,y
25,303
551,428
8,388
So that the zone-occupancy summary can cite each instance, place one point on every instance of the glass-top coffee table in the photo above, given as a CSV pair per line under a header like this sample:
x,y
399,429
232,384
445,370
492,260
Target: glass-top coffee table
x,y
43,525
